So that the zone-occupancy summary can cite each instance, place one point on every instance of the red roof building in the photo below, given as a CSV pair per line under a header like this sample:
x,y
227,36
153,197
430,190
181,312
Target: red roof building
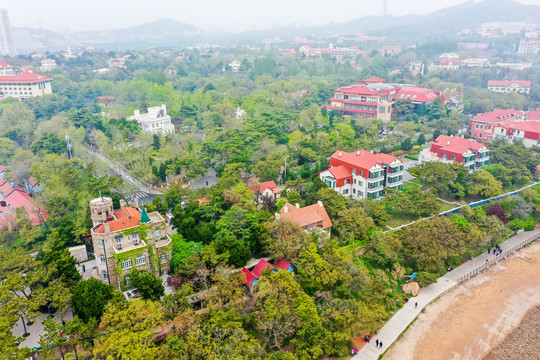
x,y
309,217
374,99
268,189
361,174
525,132
482,126
25,85
448,149
505,86
285,265
15,198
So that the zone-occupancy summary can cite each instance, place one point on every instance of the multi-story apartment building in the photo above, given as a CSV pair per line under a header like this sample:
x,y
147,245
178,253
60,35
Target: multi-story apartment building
x,y
369,100
374,99
526,132
505,86
448,149
128,239
529,46
362,175
482,126
156,121
6,38
48,64
25,85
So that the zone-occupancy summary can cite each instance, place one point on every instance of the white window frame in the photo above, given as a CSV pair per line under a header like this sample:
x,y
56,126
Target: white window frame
x,y
127,263
140,260
163,258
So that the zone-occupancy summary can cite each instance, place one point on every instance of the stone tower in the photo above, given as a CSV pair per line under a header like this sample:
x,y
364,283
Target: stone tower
x,y
101,209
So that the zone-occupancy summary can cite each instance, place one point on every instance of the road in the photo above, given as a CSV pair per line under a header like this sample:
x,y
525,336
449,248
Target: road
x,y
121,171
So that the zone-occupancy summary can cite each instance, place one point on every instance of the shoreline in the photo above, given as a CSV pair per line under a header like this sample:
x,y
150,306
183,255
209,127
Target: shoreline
x,y
472,319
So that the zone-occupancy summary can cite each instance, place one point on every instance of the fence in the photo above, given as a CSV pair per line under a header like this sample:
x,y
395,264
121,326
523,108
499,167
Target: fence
x,y
472,205
496,259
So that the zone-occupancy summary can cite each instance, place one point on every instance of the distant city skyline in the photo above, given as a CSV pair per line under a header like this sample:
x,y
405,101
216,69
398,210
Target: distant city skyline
x,y
232,15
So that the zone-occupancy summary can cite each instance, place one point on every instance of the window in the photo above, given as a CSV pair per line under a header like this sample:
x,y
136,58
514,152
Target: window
x,y
127,281
102,259
126,264
346,191
119,243
453,158
354,181
100,244
141,259
163,258
444,156
135,238
105,276
354,191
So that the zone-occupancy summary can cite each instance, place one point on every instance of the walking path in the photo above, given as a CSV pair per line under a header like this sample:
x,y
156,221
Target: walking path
x,y
406,315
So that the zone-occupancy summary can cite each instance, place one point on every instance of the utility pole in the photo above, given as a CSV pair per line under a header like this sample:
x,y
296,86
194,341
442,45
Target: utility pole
x,y
69,146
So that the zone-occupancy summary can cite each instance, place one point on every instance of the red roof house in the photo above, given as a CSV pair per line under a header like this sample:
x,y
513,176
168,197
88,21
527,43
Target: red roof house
x,y
285,265
308,217
261,266
268,189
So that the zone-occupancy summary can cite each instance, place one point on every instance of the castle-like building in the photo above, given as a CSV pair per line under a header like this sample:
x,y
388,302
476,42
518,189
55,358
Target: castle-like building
x,y
128,239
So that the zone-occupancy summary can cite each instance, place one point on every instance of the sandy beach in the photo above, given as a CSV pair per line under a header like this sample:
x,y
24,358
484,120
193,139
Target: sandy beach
x,y
471,320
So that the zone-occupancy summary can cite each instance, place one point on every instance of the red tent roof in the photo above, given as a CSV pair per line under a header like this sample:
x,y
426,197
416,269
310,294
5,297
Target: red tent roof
x,y
262,265
283,264
249,276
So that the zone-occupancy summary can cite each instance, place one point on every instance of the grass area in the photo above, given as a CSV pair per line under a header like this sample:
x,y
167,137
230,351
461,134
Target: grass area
x,y
400,218
445,206
409,185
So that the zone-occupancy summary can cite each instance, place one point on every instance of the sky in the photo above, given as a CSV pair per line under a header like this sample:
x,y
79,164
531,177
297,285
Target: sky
x,y
225,15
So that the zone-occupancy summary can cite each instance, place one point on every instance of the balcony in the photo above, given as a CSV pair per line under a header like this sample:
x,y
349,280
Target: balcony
x,y
123,248
164,242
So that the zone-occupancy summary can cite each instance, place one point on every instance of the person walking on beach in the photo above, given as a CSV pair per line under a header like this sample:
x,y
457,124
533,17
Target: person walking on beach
x,y
377,343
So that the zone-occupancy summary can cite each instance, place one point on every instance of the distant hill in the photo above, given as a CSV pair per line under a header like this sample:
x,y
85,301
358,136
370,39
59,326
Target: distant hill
x,y
159,27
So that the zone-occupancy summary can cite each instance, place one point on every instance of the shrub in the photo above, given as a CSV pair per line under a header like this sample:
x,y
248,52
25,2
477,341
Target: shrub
x,y
425,278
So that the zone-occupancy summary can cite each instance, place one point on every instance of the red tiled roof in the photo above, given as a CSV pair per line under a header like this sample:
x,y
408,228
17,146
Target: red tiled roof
x,y
416,94
267,185
249,276
533,115
306,216
531,128
498,115
284,264
2,168
203,200
26,77
374,80
7,188
125,218
19,198
362,159
261,266
340,172
457,144
522,83
4,64
32,181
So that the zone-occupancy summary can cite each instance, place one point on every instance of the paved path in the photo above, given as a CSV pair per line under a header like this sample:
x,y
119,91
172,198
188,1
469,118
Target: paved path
x,y
405,316
121,171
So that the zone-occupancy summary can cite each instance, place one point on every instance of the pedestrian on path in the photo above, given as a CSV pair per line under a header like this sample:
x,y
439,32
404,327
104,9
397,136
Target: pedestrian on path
x,y
489,250
380,344
416,304
377,343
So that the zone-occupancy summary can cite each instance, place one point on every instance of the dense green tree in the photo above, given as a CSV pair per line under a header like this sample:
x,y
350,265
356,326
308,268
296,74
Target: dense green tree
x,y
90,297
149,286
48,143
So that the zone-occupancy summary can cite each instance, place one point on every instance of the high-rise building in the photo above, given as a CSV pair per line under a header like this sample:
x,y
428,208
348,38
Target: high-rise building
x,y
6,38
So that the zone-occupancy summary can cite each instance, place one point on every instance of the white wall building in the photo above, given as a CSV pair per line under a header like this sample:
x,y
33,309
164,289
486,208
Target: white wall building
x,y
156,121
48,64
6,38
25,85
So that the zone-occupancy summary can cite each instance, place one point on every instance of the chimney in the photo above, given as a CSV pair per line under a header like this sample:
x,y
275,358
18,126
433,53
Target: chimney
x,y
136,200
339,154
448,142
358,153
122,203
320,203
107,227
297,205
285,209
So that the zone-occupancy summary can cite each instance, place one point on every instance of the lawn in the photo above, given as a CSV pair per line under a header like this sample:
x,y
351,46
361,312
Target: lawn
x,y
400,218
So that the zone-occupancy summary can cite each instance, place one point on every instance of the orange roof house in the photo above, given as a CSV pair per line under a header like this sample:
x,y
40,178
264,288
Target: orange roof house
x,y
308,217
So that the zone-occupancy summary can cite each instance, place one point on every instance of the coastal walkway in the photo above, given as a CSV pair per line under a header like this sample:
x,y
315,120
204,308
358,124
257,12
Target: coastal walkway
x,y
406,315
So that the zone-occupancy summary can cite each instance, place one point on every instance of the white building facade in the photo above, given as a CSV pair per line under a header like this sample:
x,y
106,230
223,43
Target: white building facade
x,y
155,122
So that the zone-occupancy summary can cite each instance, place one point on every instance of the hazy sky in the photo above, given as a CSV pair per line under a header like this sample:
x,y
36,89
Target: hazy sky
x,y
228,15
